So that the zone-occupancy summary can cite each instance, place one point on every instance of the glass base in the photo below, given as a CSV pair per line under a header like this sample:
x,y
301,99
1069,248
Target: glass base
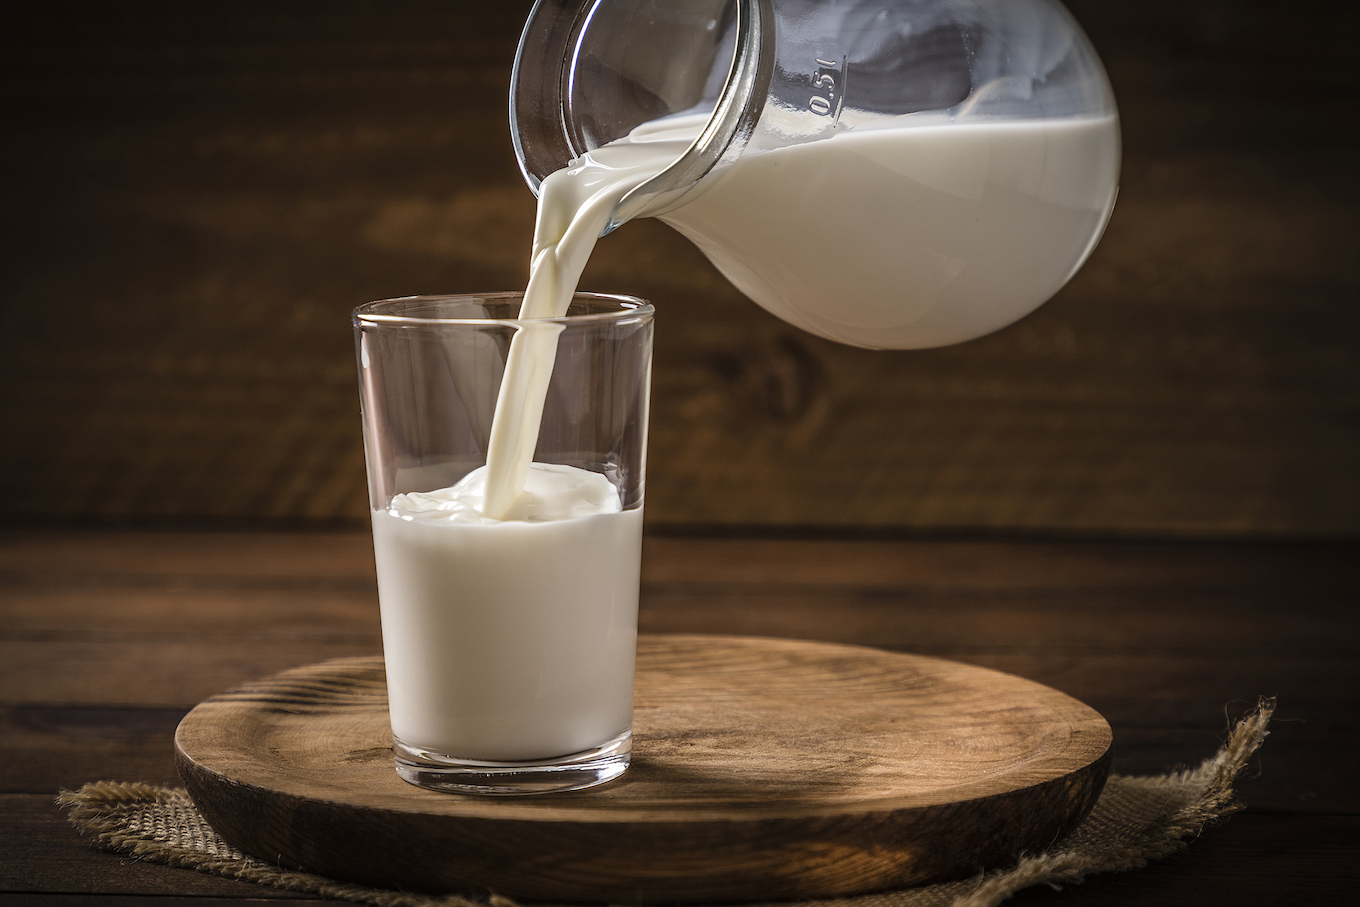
x,y
436,771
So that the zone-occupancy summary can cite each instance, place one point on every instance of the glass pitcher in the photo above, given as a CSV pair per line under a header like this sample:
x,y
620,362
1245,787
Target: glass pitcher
x,y
885,173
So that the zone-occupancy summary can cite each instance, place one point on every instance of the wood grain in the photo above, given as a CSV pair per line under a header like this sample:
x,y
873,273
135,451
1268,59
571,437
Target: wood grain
x,y
1170,641
204,191
762,769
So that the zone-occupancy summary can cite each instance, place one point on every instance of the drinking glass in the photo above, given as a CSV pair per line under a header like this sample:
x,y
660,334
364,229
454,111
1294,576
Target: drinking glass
x,y
509,644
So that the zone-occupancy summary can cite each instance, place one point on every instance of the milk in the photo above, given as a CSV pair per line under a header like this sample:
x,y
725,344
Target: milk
x,y
914,232
512,639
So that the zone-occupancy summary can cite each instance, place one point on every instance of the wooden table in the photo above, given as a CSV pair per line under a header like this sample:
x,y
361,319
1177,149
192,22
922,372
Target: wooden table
x,y
107,639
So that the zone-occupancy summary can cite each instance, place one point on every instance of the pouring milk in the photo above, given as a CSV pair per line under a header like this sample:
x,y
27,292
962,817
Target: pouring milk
x,y
901,231
962,213
537,659
886,173
895,174
945,221
949,213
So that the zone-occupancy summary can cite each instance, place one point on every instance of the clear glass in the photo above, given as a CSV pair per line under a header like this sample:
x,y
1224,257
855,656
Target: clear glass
x,y
509,645
773,73
937,168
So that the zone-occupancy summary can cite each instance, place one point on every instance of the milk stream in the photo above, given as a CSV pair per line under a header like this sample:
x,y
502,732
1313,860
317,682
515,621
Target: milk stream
x,y
574,205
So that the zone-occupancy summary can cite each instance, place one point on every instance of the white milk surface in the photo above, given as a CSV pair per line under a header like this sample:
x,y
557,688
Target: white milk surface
x,y
510,640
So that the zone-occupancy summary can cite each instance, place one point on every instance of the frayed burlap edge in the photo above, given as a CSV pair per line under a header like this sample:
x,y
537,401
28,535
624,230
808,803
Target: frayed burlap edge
x,y
152,824
1137,820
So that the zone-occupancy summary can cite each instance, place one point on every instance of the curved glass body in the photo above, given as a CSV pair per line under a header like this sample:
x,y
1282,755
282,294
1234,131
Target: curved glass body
x,y
886,173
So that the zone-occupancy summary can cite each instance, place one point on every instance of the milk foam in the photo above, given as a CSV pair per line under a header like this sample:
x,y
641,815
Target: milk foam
x,y
551,492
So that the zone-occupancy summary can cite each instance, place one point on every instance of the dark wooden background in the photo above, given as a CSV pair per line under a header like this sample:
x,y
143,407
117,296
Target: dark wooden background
x,y
196,194
1147,494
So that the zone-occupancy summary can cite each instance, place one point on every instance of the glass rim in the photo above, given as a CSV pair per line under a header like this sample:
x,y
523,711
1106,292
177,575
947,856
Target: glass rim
x,y
370,312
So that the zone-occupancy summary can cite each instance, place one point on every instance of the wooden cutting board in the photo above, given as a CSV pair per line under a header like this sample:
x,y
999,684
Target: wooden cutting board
x,y
762,769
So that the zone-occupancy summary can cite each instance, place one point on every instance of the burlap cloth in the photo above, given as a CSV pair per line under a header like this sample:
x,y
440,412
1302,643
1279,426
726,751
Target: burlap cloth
x,y
1136,820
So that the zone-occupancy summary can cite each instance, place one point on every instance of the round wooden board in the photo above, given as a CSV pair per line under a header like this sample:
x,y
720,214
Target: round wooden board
x,y
763,769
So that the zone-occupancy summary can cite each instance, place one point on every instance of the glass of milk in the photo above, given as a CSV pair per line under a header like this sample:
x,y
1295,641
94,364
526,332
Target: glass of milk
x,y
510,641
